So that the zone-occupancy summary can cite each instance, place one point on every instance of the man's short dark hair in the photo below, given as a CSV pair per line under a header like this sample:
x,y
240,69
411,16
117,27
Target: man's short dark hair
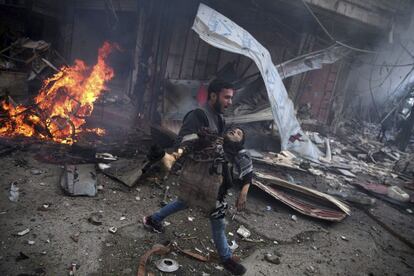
x,y
217,85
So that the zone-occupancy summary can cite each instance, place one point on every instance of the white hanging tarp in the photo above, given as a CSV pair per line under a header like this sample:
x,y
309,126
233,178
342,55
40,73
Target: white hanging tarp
x,y
221,32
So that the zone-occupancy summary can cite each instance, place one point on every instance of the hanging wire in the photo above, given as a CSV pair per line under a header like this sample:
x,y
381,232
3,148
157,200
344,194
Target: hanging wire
x,y
372,64
385,65
401,83
331,37
372,93
406,49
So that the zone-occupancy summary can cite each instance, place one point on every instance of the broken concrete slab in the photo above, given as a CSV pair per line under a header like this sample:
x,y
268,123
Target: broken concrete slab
x,y
79,180
127,171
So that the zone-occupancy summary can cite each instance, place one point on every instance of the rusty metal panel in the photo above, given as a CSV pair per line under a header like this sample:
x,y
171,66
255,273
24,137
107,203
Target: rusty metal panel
x,y
317,89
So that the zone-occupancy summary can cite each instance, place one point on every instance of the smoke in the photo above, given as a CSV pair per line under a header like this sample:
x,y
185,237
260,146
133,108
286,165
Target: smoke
x,y
378,81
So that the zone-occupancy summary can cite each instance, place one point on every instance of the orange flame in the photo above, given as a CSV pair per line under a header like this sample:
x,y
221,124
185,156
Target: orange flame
x,y
63,103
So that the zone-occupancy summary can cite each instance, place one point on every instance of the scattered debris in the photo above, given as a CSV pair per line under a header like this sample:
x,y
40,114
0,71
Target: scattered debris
x,y
243,231
352,196
284,159
167,265
312,208
219,267
158,249
397,193
294,218
24,232
103,166
382,192
127,171
190,254
44,207
30,242
344,238
191,218
73,268
105,156
112,230
315,172
78,180
310,269
254,240
14,193
35,171
346,173
272,259
163,250
96,219
314,136
291,179
233,245
75,237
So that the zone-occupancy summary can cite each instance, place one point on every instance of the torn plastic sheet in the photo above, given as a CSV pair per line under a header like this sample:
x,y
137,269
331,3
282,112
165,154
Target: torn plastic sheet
x,y
221,32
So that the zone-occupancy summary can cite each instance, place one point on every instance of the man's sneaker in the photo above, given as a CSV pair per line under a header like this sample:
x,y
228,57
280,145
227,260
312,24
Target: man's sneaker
x,y
152,224
233,266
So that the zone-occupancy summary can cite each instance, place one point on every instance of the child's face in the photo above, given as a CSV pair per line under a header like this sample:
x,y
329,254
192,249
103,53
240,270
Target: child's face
x,y
235,135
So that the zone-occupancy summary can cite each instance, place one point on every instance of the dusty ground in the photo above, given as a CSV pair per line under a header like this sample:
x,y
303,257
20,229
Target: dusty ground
x,y
63,235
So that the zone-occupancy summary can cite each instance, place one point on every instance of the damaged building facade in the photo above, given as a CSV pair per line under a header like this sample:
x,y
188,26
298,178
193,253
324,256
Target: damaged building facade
x,y
324,91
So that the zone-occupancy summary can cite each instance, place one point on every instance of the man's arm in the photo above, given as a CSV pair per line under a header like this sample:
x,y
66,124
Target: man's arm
x,y
241,200
193,122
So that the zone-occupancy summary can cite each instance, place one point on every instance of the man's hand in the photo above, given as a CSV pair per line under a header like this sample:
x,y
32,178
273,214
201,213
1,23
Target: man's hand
x,y
169,159
241,200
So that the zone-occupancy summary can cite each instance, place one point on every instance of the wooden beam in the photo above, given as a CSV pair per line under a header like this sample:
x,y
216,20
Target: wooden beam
x,y
365,14
120,5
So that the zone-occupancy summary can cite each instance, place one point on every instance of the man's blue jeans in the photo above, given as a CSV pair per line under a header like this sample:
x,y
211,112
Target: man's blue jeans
x,y
217,227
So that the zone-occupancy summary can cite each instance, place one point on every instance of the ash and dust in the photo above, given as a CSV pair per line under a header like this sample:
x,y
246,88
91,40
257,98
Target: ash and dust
x,y
77,125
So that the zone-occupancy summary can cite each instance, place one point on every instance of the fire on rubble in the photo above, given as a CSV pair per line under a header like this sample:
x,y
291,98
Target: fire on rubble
x,y
63,103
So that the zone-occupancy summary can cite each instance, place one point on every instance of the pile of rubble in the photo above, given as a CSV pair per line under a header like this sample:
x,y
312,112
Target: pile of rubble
x,y
354,162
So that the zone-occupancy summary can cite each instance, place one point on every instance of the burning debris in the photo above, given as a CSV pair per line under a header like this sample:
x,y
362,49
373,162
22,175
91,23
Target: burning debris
x,y
246,117
64,102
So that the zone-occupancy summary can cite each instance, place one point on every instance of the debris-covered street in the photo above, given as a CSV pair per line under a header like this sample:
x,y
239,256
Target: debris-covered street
x,y
206,138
